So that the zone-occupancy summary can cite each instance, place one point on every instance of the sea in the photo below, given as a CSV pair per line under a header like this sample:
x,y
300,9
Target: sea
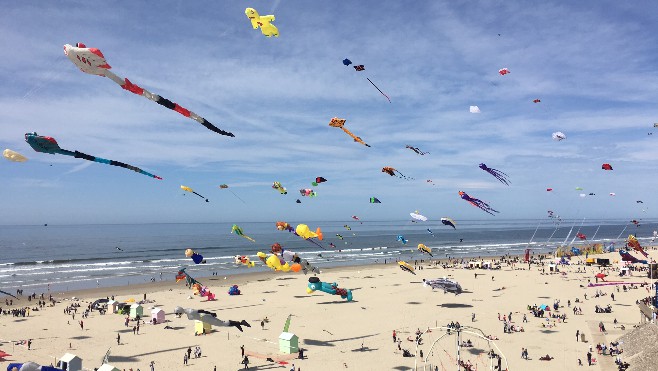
x,y
58,258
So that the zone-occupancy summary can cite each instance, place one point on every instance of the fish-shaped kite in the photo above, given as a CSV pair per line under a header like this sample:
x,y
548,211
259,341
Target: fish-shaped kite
x,y
49,145
92,61
340,123
477,203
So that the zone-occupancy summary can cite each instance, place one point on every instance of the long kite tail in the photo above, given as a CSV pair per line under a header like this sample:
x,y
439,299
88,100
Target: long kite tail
x,y
499,175
249,238
200,196
100,160
135,89
373,84
315,243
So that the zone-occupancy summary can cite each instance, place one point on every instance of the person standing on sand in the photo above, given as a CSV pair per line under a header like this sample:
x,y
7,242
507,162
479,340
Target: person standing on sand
x,y
589,358
118,339
29,344
394,336
242,350
189,352
185,358
577,335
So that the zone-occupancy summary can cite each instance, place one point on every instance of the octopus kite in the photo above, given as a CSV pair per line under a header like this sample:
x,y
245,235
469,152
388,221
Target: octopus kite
x,y
340,123
92,61
496,173
478,203
262,21
394,172
417,150
49,145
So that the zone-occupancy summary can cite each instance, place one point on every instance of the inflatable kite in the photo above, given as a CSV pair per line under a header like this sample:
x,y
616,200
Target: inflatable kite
x,y
394,172
244,260
303,231
502,177
503,71
196,258
355,217
407,267
625,256
92,61
264,22
188,189
28,366
424,249
417,150
606,167
283,226
636,222
477,203
280,188
558,135
401,238
237,230
209,317
203,291
474,109
189,280
49,145
340,123
298,201
234,290
314,284
318,180
292,257
374,200
581,236
277,263
360,68
444,284
635,244
417,216
340,237
13,156
449,222
536,101
307,192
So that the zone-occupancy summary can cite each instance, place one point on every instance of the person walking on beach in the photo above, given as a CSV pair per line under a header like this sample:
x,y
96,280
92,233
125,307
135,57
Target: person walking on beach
x,y
577,335
134,330
262,325
118,339
394,336
189,352
29,344
589,358
473,317
242,350
185,358
152,365
245,362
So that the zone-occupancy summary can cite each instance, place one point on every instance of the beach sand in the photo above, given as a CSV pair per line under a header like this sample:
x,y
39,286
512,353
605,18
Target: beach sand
x,y
336,334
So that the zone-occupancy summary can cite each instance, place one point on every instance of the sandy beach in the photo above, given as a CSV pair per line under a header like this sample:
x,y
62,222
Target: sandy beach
x,y
336,334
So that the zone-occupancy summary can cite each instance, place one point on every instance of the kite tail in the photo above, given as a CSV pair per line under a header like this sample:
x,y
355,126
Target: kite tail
x,y
500,176
100,160
315,243
373,84
200,196
249,238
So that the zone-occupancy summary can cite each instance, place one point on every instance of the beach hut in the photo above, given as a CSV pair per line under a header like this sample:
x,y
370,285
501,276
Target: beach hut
x,y
136,310
70,362
107,367
288,343
158,315
112,306
201,328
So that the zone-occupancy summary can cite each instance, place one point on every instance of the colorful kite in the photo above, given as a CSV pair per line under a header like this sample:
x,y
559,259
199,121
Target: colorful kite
x,y
196,258
49,145
416,216
361,67
303,231
307,192
401,238
606,167
424,249
581,236
13,156
262,21
444,284
225,186
558,135
549,189
340,123
394,172
374,200
536,101
280,188
407,267
283,226
318,180
210,318
449,222
292,257
237,230
502,177
188,189
243,260
92,61
355,217
503,71
635,244
477,203
314,284
417,150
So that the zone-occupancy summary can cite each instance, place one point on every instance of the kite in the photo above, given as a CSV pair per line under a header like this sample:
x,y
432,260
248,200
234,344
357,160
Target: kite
x,y
347,227
655,124
237,230
449,222
394,172
474,109
417,150
406,267
49,145
244,260
424,249
347,62
417,216
283,226
234,290
401,238
579,188
280,188
430,232
477,203
639,202
374,200
307,192
592,194
209,317
262,21
13,156
92,61
627,257
303,231
582,195
189,280
203,291
355,217
558,135
635,244
340,123
536,101
314,284
444,284
361,67
340,237
502,177
298,201
293,257
188,189
606,167
581,236
225,186
503,71
318,180
549,189
196,258
636,222
613,194
277,263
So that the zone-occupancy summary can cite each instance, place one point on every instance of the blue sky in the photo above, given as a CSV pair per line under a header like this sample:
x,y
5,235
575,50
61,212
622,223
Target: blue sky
x,y
592,64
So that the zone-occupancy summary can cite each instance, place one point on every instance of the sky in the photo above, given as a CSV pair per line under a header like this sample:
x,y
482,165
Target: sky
x,y
591,63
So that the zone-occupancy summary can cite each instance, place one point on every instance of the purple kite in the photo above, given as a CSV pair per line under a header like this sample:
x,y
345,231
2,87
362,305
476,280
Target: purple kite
x,y
496,173
478,203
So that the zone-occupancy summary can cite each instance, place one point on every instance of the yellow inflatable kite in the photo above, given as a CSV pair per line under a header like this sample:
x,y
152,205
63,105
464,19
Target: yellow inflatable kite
x,y
305,232
264,22
13,156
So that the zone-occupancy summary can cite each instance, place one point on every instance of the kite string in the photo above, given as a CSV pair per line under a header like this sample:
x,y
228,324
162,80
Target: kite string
x,y
373,84
622,231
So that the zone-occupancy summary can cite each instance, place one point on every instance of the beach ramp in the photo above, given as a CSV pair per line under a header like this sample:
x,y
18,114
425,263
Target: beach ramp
x,y
277,358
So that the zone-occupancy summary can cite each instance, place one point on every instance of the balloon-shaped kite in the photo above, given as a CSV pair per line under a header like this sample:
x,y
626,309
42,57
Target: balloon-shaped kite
x,y
292,257
307,192
237,230
277,263
444,284
496,173
449,222
558,135
283,226
407,267
280,188
196,258
340,123
49,145
262,21
424,249
606,167
394,172
374,200
92,61
503,71
417,150
188,189
635,244
477,203
13,156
